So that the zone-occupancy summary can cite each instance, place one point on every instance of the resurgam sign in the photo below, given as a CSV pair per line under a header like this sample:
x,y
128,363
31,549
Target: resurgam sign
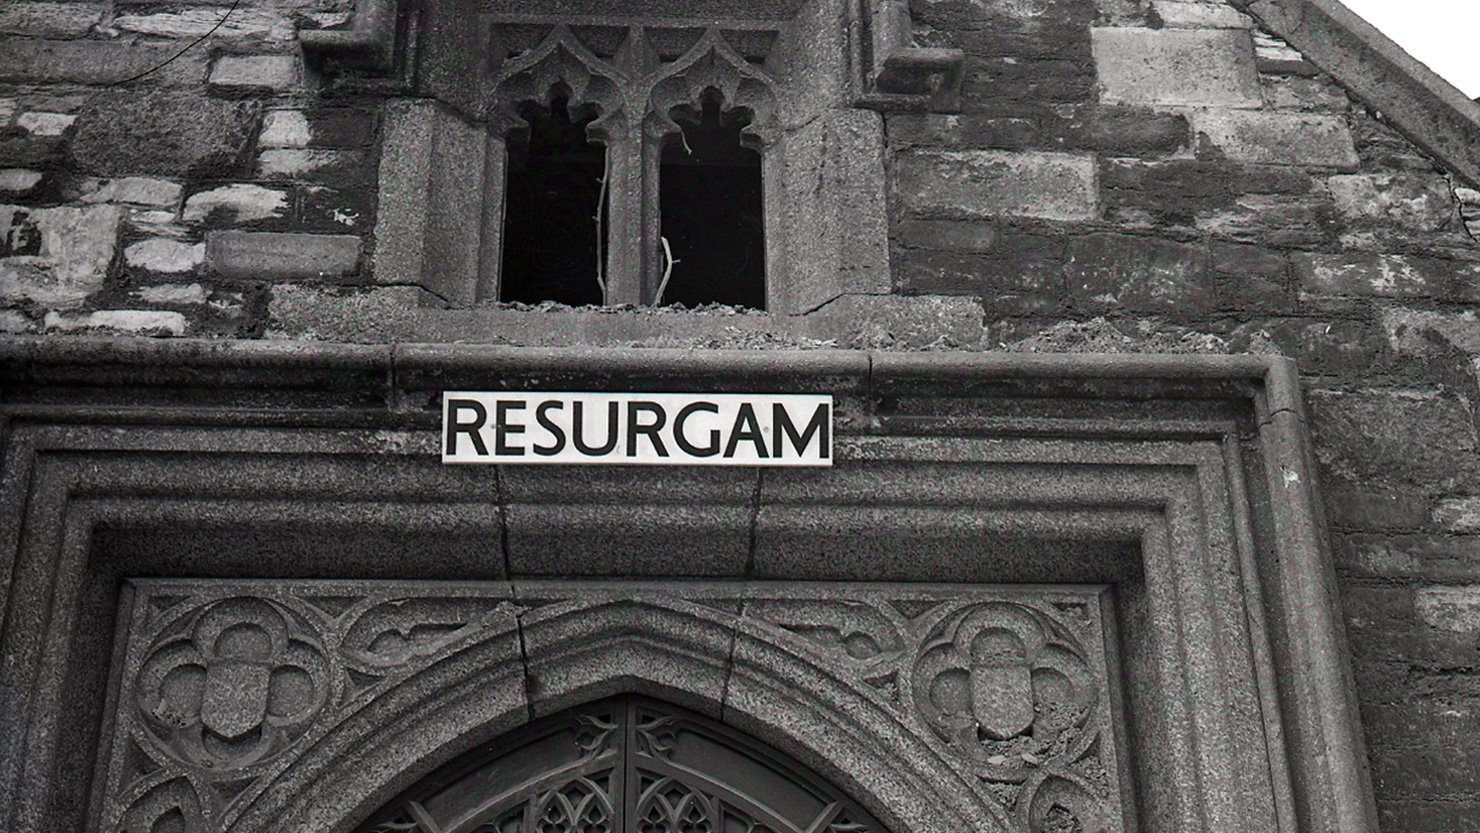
x,y
637,428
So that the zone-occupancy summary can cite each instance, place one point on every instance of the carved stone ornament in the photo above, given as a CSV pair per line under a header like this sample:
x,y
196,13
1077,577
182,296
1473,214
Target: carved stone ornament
x,y
229,688
886,68
328,616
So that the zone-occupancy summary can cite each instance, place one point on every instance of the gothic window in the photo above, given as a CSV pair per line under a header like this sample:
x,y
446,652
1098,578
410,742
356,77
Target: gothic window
x,y
627,765
587,152
633,162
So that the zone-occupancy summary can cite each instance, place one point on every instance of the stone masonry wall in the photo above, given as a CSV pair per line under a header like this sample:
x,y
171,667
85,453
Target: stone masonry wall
x,y
1170,178
167,205
1125,176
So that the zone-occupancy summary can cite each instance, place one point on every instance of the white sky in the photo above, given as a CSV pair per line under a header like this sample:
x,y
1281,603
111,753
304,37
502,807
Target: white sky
x,y
1441,33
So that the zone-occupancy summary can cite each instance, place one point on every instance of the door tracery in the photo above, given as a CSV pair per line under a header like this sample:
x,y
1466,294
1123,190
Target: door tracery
x,y
625,765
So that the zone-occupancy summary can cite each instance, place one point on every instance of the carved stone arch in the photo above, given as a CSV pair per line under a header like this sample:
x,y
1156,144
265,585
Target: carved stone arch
x,y
713,64
565,651
627,763
561,61
797,69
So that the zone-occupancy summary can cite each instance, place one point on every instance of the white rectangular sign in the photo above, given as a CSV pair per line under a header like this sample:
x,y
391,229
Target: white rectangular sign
x,y
662,429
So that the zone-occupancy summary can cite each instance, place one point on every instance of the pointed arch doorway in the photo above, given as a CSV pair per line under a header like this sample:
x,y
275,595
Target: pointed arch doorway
x,y
623,765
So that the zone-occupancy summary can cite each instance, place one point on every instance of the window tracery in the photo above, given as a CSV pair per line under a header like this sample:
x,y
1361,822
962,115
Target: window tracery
x,y
805,78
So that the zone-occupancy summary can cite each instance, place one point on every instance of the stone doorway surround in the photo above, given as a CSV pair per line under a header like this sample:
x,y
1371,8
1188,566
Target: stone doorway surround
x,y
1183,484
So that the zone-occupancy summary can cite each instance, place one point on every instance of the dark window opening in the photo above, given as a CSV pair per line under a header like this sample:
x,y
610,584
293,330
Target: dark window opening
x,y
711,201
554,214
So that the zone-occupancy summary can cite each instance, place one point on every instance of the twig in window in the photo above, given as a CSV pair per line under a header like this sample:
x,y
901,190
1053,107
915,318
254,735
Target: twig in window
x,y
668,264
606,178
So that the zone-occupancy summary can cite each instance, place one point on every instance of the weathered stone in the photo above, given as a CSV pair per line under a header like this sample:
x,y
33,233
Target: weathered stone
x,y
172,293
136,190
1306,220
432,168
1409,202
282,256
1010,263
1193,15
237,203
1276,138
1458,514
1312,139
1430,558
1469,207
948,235
373,315
1274,55
296,163
45,124
50,20
255,73
1176,67
56,255
1388,276
94,62
1294,92
1410,437
1132,131
964,130
19,182
14,322
1450,609
163,134
255,24
890,322
1419,332
341,127
164,255
1369,507
1136,273
985,183
284,129
135,321
30,151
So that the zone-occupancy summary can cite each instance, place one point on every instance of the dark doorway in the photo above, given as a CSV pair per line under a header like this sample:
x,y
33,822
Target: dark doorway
x,y
553,209
626,765
711,201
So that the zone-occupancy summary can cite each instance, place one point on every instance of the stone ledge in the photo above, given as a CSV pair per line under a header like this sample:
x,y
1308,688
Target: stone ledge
x,y
403,313
266,255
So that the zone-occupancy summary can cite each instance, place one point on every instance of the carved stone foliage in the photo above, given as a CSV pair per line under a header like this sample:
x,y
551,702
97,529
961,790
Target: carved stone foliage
x,y
627,75
226,685
1014,689
222,689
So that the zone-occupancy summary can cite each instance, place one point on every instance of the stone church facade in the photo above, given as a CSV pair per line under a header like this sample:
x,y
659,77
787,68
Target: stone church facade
x,y
1148,325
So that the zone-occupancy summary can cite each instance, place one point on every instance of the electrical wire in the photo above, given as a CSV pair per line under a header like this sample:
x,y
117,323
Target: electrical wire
x,y
192,45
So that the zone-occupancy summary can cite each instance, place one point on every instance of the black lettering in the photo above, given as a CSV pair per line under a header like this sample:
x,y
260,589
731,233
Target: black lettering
x,y
502,428
542,416
751,431
781,426
578,430
456,426
650,430
683,441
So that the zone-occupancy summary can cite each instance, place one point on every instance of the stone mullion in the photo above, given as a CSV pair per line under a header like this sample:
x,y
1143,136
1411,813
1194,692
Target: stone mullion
x,y
652,226
626,215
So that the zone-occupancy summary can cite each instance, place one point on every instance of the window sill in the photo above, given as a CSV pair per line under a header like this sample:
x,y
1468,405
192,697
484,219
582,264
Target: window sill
x,y
409,314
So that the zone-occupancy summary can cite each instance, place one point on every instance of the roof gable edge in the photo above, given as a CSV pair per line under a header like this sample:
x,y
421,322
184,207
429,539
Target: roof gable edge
x,y
1429,110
